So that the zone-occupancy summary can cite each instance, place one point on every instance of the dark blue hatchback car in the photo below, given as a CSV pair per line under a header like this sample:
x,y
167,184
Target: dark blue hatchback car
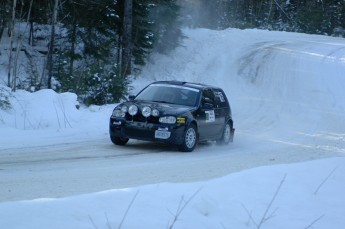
x,y
178,113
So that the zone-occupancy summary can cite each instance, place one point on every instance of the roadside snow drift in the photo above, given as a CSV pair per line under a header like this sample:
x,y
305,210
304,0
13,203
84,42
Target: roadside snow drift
x,y
284,196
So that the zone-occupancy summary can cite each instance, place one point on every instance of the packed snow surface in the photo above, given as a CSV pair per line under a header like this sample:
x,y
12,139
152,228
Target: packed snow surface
x,y
285,169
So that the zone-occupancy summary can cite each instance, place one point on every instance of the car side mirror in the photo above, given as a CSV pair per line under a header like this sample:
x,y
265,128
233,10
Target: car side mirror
x,y
131,97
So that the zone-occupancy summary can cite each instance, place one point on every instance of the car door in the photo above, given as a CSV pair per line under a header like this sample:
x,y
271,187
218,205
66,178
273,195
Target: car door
x,y
208,116
221,108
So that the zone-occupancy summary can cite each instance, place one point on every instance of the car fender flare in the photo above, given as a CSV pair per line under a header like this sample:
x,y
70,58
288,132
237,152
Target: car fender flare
x,y
232,129
230,121
192,121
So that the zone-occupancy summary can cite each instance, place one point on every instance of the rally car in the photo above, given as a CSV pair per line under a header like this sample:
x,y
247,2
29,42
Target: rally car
x,y
178,113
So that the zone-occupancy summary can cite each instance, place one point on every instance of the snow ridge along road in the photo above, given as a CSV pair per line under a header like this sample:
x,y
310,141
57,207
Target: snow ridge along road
x,y
286,92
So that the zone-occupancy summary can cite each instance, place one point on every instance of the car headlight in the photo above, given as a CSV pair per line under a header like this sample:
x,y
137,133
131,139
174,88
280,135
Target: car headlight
x,y
133,110
124,109
146,111
119,113
167,119
155,112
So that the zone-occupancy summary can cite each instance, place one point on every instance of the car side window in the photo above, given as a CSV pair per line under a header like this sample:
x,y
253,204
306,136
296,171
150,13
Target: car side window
x,y
207,97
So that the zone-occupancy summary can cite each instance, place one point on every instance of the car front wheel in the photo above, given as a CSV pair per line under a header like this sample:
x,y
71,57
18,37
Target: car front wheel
x,y
119,141
226,136
189,140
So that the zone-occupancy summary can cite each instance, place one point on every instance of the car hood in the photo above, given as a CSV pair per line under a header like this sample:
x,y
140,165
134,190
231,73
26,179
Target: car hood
x,y
163,108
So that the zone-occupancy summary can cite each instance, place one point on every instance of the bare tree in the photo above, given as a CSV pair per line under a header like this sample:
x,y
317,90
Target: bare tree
x,y
11,34
127,44
51,45
19,48
3,18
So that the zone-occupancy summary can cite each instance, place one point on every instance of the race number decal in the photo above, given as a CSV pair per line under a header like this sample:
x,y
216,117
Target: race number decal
x,y
210,117
220,96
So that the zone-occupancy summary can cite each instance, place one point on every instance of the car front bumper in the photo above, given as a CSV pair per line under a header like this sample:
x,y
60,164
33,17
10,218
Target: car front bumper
x,y
146,131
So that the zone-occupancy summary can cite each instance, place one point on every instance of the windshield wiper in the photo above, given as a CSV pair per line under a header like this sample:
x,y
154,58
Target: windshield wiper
x,y
160,101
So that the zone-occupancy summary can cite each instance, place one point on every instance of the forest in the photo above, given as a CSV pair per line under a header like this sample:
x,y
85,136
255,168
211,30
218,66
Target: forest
x,y
93,47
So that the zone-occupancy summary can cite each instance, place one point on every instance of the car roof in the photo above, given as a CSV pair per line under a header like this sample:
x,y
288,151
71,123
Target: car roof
x,y
199,86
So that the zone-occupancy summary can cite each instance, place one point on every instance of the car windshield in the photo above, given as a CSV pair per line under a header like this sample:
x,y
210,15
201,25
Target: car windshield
x,y
166,93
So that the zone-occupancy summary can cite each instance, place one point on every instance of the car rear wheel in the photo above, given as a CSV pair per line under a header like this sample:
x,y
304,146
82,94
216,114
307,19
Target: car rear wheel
x,y
119,141
189,140
226,136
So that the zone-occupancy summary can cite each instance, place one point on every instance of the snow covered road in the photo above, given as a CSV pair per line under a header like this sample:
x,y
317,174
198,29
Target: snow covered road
x,y
82,167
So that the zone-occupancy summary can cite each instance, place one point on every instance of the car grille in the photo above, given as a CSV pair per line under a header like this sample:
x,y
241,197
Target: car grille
x,y
141,118
139,133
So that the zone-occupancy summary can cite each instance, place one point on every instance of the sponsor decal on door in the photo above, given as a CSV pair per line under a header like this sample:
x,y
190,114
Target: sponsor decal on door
x,y
210,117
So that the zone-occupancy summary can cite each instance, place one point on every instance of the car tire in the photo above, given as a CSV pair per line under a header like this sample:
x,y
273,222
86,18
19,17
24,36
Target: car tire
x,y
119,141
226,135
190,138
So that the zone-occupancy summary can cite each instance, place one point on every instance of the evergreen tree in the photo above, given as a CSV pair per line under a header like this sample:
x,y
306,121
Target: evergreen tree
x,y
126,39
3,17
142,33
86,64
167,26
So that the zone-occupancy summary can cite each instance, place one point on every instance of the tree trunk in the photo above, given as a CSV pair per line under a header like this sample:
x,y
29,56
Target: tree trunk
x,y
127,44
72,50
11,34
31,33
51,46
3,18
19,48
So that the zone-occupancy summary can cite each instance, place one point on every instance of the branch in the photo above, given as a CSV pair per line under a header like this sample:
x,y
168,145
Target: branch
x,y
264,217
128,208
93,223
182,207
250,216
324,181
312,223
